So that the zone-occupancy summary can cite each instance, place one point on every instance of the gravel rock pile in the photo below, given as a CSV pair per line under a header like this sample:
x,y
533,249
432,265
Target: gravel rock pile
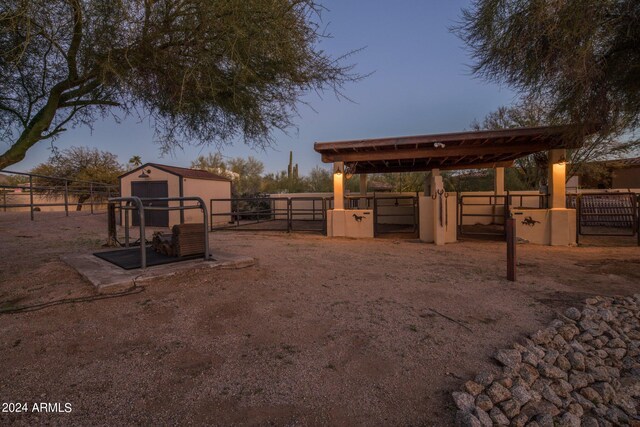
x,y
584,369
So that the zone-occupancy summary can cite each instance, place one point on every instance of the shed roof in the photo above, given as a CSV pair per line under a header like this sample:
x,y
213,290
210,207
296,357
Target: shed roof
x,y
460,150
181,172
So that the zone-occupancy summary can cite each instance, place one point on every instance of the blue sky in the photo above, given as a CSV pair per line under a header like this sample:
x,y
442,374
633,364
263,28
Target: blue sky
x,y
420,84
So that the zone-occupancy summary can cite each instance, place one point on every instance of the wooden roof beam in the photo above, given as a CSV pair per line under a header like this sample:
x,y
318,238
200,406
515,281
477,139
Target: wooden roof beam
x,y
433,152
424,168
542,131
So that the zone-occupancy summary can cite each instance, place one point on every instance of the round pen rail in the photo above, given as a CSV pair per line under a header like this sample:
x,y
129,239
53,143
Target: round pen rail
x,y
138,201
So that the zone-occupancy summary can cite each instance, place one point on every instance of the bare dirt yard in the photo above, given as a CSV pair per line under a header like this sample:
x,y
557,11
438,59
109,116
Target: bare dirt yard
x,y
319,332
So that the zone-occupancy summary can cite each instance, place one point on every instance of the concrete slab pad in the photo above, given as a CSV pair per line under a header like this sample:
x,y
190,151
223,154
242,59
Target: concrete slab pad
x,y
103,274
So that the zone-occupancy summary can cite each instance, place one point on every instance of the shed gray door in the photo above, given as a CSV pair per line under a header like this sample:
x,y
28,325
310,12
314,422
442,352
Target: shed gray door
x,y
151,189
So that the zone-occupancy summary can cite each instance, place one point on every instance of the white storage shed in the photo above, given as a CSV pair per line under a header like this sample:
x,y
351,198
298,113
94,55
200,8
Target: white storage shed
x,y
155,180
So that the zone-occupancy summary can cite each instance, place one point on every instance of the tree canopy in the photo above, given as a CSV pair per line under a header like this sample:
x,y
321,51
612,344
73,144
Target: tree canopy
x,y
245,174
532,169
202,71
79,165
581,56
249,179
213,163
135,161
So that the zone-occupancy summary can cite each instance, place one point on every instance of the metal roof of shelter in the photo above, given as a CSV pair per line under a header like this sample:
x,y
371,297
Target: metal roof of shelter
x,y
181,172
448,151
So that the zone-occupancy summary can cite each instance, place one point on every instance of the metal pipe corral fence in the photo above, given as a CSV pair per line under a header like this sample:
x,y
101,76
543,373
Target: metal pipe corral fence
x,y
53,188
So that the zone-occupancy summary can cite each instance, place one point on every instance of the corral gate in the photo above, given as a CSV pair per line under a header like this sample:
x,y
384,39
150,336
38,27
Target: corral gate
x,y
485,214
271,214
482,215
395,215
605,214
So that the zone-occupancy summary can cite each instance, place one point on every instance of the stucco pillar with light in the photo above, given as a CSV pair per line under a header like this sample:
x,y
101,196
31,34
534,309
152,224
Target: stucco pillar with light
x,y
338,186
557,179
562,221
343,222
556,225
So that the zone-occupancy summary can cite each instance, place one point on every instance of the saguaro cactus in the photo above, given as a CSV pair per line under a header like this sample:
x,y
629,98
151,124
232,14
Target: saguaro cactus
x,y
290,167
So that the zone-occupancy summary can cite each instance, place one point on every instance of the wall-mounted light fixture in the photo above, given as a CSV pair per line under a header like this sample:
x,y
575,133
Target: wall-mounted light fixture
x,y
338,168
562,160
143,174
349,169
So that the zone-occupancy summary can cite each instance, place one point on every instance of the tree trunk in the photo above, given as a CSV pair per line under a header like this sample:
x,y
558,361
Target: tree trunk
x,y
35,128
81,199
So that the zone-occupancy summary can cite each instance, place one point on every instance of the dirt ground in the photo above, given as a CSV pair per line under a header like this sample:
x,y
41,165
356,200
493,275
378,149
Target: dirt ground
x,y
320,332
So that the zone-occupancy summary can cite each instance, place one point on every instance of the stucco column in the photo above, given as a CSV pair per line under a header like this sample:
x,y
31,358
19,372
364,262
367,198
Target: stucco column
x,y
498,182
498,190
429,187
338,185
557,179
562,221
437,186
426,186
362,203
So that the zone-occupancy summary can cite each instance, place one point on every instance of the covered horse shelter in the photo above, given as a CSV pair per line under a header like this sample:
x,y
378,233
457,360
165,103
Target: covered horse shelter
x,y
541,218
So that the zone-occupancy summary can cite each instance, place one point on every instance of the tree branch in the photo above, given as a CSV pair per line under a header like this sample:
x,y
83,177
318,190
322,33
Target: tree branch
x,y
87,102
84,88
15,113
76,39
59,127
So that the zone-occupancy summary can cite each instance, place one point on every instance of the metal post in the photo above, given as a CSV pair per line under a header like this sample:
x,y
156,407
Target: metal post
x,y
511,249
111,225
375,216
237,210
257,210
457,215
506,213
207,255
461,213
143,246
578,216
91,196
324,216
31,195
289,215
637,214
66,197
126,225
211,212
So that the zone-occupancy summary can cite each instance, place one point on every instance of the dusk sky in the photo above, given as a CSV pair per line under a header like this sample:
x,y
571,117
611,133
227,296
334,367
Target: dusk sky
x,y
420,84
